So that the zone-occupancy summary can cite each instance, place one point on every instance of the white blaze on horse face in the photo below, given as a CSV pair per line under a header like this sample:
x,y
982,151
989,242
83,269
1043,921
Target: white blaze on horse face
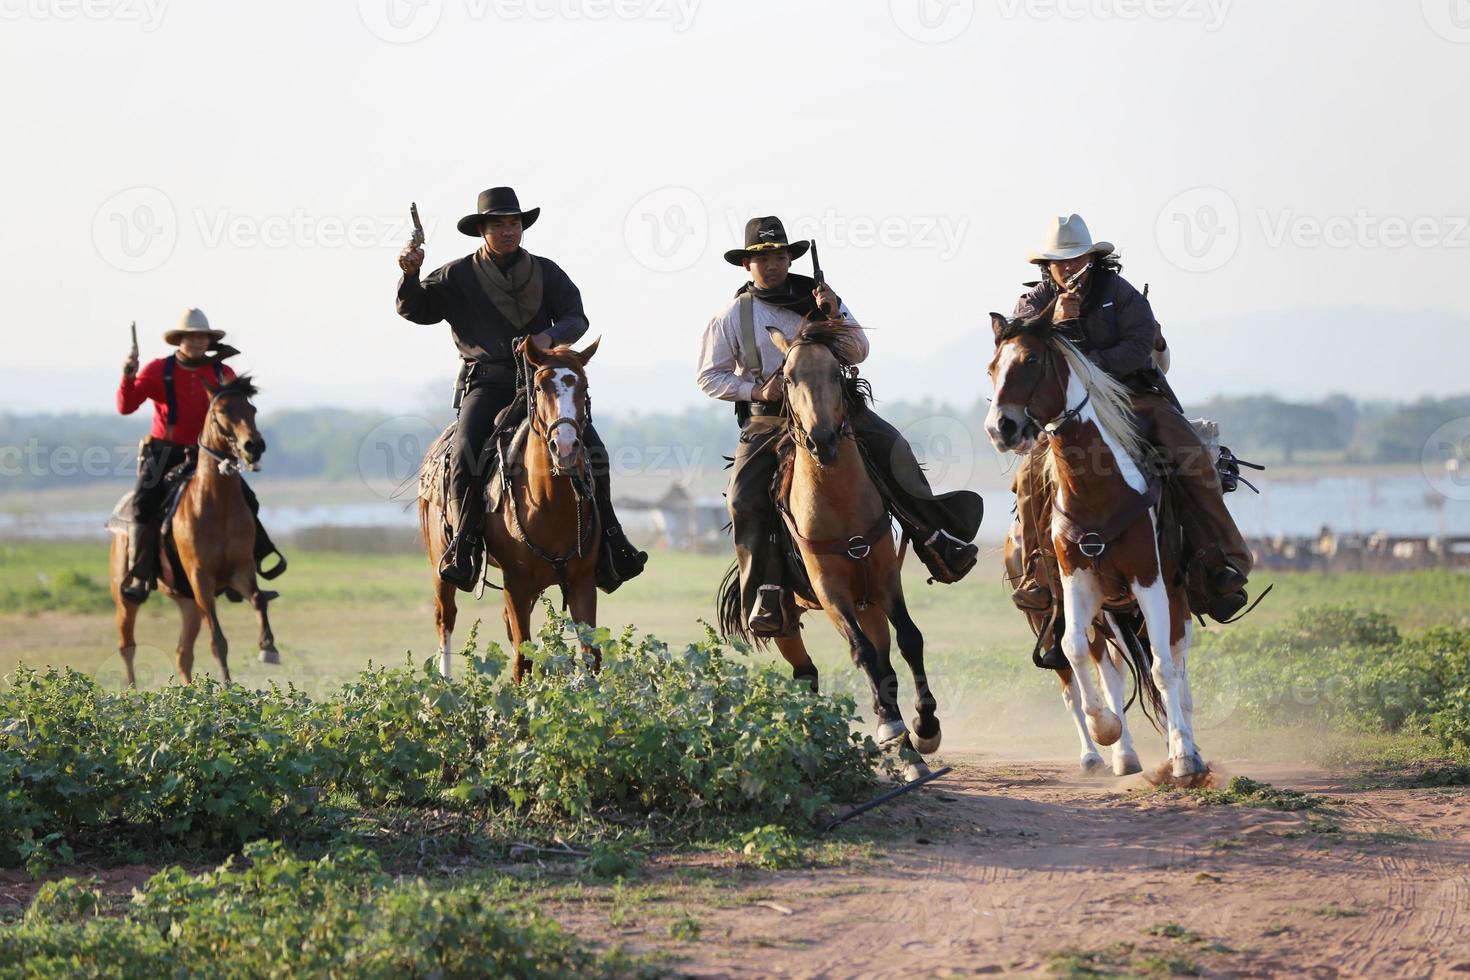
x,y
996,413
1127,466
564,437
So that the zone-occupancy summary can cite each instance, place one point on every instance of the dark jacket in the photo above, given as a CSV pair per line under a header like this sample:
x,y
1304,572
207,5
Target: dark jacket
x,y
481,332
1117,324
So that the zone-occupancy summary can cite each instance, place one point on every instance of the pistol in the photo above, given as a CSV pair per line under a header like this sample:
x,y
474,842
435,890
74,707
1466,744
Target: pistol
x,y
418,226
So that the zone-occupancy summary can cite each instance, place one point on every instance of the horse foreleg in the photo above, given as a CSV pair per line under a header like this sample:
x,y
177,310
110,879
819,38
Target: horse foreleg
x,y
446,611
518,625
268,652
1158,608
1113,670
794,650
582,606
882,682
1091,760
1081,602
218,645
926,734
189,620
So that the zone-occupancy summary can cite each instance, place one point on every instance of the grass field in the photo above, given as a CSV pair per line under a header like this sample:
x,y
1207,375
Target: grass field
x,y
339,612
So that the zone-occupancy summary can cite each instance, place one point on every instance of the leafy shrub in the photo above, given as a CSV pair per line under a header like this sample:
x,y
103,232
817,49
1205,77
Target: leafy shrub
x,y
280,916
701,733
772,847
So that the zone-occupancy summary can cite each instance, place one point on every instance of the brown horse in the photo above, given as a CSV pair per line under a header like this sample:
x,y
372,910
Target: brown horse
x,y
842,530
214,534
1105,526
542,527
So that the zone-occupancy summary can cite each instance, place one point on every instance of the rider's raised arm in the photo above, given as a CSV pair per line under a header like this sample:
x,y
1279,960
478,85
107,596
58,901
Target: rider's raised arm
x,y
137,389
1134,350
718,353
564,304
422,301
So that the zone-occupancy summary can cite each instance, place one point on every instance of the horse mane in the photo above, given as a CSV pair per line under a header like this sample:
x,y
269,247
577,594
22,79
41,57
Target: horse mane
x,y
836,337
242,384
1111,400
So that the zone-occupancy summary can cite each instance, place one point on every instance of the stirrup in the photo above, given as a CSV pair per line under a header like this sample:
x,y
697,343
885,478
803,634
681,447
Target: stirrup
x,y
947,557
450,565
273,571
759,621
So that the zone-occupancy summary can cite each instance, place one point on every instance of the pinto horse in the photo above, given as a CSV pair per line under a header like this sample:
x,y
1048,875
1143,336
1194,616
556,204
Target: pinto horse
x,y
1105,525
541,526
213,532
842,531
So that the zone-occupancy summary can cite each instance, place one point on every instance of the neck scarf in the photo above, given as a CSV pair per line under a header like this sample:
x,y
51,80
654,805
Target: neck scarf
x,y
795,294
516,292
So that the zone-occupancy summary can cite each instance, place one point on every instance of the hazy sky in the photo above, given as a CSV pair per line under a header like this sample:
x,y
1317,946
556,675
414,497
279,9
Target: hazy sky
x,y
1250,159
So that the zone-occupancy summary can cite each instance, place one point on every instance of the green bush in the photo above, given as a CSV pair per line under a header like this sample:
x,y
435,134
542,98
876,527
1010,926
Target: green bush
x,y
701,733
279,916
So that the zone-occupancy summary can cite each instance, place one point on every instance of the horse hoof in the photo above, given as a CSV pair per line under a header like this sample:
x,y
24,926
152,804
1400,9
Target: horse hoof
x,y
1104,727
915,771
1188,765
925,745
1092,763
1126,764
270,655
892,731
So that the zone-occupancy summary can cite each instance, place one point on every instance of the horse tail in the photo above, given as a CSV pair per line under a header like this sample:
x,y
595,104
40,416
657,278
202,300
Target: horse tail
x,y
729,608
1138,655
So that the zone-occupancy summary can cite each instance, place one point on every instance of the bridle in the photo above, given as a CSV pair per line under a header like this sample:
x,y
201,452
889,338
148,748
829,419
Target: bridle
x,y
228,464
799,433
1068,415
547,433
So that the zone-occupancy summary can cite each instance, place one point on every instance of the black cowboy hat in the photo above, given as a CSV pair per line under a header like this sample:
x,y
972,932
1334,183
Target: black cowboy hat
x,y
762,235
493,203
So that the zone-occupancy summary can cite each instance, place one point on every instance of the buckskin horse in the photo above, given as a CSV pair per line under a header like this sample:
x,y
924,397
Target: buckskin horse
x,y
841,529
213,535
1105,526
541,526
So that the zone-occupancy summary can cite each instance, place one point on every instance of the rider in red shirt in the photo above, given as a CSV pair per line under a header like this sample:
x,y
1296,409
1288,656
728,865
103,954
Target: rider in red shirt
x,y
176,386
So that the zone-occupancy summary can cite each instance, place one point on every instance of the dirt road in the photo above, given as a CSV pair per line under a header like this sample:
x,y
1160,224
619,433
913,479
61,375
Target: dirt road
x,y
1029,868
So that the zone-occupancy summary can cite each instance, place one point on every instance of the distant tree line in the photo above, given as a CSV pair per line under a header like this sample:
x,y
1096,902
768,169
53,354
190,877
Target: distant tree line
x,y
43,451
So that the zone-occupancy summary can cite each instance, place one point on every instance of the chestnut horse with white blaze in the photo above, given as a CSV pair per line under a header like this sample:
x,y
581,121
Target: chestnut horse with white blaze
x,y
1105,525
542,527
213,531
843,533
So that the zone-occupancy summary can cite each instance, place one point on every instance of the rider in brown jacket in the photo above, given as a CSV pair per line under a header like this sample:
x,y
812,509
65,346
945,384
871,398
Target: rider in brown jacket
x,y
1114,325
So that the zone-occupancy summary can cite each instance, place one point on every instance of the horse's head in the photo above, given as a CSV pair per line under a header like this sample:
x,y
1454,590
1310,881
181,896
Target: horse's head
x,y
560,401
229,428
1030,382
821,386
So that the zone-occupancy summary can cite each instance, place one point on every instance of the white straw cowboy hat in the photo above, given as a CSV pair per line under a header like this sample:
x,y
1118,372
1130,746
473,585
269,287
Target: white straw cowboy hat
x,y
1068,238
192,324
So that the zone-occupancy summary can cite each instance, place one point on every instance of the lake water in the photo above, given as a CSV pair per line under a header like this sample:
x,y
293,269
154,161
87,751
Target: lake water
x,y
1400,503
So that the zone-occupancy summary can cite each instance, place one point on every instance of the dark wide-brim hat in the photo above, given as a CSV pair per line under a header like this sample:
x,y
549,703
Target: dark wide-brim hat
x,y
494,203
765,235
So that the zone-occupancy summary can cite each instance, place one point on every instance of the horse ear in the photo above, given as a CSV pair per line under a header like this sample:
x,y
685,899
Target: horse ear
x,y
998,325
585,354
532,351
779,339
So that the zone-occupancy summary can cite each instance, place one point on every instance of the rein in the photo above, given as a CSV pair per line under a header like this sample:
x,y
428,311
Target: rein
x,y
228,464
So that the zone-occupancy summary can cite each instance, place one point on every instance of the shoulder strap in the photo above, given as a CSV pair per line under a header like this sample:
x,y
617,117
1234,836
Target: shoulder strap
x,y
169,395
749,349
219,374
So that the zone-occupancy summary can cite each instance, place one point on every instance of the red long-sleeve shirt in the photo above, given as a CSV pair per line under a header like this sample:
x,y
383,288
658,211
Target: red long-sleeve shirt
x,y
191,397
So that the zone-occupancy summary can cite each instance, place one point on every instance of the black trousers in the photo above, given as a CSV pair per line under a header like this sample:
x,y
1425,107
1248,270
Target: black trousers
x,y
156,459
472,456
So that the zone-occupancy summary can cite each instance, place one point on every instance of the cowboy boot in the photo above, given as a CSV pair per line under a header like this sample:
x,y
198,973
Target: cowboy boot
x,y
768,612
947,557
460,565
617,559
142,562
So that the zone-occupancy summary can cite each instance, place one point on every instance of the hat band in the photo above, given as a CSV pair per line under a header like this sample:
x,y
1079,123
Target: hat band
x,y
767,246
